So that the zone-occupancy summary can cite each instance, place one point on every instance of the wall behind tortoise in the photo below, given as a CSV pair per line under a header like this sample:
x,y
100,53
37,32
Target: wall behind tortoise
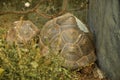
x,y
104,21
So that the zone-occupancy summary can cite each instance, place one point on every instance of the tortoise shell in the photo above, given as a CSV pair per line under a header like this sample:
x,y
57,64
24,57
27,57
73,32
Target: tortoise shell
x,y
22,32
70,38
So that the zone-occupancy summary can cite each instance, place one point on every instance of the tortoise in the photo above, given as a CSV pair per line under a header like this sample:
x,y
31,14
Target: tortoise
x,y
68,36
22,32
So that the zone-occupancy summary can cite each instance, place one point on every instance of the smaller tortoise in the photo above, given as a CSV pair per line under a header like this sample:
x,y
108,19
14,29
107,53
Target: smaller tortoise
x,y
70,38
22,32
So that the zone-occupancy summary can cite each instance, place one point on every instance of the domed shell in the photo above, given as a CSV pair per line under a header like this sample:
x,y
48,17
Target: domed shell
x,y
22,32
70,38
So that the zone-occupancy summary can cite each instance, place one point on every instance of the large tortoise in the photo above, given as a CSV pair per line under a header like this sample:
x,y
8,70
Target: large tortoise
x,y
70,38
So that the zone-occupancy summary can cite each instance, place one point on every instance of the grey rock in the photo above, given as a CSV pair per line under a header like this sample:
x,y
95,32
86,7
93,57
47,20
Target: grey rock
x,y
104,22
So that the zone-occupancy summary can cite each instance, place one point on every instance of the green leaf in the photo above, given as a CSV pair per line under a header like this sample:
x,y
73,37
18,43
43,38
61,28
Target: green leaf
x,y
34,64
1,71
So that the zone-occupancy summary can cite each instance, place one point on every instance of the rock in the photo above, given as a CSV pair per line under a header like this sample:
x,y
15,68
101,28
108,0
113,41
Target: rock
x,y
104,21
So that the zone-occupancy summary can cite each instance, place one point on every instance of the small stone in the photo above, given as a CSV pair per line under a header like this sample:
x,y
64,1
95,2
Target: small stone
x,y
27,4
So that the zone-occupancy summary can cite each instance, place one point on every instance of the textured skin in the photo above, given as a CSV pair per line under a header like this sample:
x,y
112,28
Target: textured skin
x,y
74,45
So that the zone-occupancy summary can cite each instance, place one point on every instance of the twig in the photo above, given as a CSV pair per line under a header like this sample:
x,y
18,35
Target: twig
x,y
65,5
33,10
23,12
16,12
43,14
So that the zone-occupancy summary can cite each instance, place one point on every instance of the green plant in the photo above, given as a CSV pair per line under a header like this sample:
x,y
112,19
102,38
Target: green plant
x,y
26,63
